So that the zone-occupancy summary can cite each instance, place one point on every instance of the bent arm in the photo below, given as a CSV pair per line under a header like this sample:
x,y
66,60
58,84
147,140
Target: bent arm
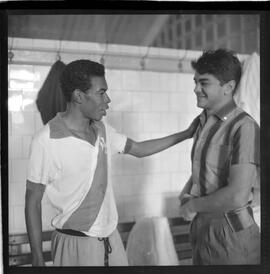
x,y
149,147
33,197
235,195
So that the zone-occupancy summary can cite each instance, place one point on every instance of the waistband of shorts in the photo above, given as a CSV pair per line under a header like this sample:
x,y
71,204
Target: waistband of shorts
x,y
237,219
72,232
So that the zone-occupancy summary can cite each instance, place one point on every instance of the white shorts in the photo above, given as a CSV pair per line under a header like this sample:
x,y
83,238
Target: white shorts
x,y
70,250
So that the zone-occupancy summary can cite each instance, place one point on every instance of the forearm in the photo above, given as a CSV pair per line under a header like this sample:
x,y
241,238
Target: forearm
x,y
224,199
34,230
146,148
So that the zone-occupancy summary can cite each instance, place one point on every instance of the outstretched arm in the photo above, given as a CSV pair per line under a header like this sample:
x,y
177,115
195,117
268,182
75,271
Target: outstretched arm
x,y
33,197
149,147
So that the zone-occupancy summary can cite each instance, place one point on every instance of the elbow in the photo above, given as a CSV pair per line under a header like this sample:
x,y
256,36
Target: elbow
x,y
138,155
238,200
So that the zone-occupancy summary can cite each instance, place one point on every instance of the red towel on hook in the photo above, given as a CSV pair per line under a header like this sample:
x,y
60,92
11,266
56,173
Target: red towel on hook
x,y
50,99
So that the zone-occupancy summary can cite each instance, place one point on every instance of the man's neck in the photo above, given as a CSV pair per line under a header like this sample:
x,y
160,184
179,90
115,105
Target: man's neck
x,y
214,110
74,119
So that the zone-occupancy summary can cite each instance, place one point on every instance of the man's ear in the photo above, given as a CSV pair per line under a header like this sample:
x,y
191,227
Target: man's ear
x,y
76,96
229,87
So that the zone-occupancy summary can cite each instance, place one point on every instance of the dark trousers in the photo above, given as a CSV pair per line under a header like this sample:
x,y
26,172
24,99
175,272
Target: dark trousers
x,y
214,242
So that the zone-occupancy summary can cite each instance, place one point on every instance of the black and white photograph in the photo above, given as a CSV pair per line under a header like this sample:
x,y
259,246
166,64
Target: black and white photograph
x,y
165,106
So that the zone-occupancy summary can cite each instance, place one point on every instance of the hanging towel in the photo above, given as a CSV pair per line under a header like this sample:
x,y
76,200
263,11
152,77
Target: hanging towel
x,y
247,95
50,99
150,243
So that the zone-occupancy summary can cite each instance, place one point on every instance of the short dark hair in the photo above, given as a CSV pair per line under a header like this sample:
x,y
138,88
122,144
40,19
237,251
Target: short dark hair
x,y
77,75
221,63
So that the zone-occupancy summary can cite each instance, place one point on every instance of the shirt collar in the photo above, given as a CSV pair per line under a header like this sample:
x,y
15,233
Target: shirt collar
x,y
221,114
225,110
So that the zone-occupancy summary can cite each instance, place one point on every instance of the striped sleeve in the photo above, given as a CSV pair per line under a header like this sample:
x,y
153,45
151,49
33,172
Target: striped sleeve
x,y
246,144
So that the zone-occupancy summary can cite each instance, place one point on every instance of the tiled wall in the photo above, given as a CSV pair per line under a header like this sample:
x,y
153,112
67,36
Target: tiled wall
x,y
145,105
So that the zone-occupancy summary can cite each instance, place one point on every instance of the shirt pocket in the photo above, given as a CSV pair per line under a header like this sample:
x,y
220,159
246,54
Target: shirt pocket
x,y
218,155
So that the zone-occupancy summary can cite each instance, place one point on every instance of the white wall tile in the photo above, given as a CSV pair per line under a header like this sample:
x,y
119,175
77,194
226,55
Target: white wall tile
x,y
151,164
160,102
169,122
125,207
11,219
150,81
167,82
19,169
185,162
192,105
171,205
152,122
16,193
178,102
15,147
121,101
9,123
131,165
170,162
41,73
185,83
178,181
150,205
114,119
140,137
23,123
184,120
161,183
141,101
188,145
141,184
123,185
132,122
114,79
29,101
131,80
19,222
157,135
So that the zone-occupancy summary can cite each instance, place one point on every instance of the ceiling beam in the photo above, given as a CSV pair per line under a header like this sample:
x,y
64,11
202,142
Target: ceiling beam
x,y
157,25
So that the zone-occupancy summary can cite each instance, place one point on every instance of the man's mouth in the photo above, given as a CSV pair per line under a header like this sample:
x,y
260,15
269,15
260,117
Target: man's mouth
x,y
201,96
104,110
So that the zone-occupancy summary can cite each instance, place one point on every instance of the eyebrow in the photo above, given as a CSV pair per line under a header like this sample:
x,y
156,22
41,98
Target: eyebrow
x,y
201,79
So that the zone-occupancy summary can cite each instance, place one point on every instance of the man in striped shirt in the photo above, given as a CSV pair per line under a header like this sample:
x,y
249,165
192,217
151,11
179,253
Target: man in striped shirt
x,y
225,168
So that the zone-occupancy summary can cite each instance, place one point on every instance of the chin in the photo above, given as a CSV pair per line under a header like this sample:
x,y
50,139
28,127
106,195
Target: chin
x,y
200,105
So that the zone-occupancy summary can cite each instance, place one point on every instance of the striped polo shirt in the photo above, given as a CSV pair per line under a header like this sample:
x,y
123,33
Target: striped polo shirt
x,y
226,138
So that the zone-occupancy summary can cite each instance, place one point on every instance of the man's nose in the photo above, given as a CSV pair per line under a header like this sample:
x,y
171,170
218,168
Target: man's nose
x,y
197,88
107,98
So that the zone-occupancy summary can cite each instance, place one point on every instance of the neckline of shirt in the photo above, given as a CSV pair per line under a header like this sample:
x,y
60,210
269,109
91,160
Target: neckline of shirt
x,y
59,130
